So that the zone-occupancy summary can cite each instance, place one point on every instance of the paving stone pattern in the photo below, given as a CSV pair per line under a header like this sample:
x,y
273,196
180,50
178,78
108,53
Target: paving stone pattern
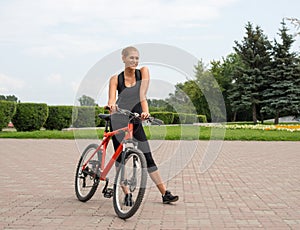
x,y
251,185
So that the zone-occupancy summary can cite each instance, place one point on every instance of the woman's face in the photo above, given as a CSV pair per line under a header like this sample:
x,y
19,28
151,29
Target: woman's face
x,y
131,60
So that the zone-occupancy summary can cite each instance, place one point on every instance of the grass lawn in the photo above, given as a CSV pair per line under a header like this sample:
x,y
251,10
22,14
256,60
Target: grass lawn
x,y
169,133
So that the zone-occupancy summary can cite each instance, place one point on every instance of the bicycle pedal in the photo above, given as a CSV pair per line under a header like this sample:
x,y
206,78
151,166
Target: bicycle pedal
x,y
108,193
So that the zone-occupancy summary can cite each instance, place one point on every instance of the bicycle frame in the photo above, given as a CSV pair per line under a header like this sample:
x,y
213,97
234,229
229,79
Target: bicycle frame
x,y
130,180
104,169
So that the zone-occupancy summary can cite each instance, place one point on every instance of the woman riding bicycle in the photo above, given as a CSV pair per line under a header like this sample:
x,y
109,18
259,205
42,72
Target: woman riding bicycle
x,y
132,85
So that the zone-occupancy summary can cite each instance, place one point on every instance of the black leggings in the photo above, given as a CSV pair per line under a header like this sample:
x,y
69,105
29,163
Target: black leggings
x,y
139,136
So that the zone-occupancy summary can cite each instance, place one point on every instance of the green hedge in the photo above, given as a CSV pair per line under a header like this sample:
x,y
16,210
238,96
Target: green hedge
x,y
33,116
7,110
100,122
179,118
202,118
184,118
167,117
30,116
59,117
87,116
190,118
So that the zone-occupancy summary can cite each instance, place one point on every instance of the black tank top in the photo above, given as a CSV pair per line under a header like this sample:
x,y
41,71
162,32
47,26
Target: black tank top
x,y
129,97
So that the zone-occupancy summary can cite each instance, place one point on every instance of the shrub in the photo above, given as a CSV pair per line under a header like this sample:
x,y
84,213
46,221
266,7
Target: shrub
x,y
166,117
190,118
30,116
176,119
59,117
185,118
87,116
202,118
99,122
7,110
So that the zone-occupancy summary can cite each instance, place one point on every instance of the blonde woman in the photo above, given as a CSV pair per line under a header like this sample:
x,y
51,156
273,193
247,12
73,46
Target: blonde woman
x,y
132,85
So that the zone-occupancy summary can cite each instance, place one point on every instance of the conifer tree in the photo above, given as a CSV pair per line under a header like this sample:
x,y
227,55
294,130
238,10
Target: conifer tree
x,y
254,52
282,97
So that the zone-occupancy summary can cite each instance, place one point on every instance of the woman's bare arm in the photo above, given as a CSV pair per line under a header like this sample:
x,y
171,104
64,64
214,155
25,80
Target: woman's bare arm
x,y
143,91
112,92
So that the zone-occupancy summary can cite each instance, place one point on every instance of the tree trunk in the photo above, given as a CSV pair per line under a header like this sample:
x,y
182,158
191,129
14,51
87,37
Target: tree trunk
x,y
262,118
234,116
254,114
276,120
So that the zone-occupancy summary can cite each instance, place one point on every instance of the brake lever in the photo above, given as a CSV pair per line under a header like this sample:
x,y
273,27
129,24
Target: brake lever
x,y
155,121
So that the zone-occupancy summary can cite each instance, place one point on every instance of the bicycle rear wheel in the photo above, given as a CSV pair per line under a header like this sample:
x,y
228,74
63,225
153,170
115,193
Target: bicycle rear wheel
x,y
87,181
131,178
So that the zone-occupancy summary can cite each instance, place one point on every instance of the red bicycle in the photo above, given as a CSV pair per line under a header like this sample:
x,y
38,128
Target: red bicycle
x,y
131,176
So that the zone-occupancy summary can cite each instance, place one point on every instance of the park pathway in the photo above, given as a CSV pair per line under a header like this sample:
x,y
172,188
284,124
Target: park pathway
x,y
251,185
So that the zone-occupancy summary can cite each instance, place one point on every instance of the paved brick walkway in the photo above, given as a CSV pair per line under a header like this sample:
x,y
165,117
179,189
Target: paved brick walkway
x,y
251,185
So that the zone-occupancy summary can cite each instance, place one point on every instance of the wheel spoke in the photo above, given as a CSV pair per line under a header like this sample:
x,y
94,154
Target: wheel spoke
x,y
130,189
86,181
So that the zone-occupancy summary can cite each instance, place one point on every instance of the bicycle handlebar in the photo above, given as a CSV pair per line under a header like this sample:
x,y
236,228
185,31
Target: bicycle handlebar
x,y
136,115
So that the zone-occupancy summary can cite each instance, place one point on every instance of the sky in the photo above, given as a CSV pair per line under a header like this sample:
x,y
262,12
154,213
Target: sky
x,y
47,47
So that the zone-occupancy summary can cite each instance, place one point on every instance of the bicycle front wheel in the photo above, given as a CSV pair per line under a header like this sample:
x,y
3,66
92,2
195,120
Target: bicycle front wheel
x,y
87,180
130,184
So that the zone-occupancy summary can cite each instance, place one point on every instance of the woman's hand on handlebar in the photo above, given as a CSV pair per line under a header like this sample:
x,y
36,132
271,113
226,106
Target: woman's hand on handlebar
x,y
115,108
111,108
145,115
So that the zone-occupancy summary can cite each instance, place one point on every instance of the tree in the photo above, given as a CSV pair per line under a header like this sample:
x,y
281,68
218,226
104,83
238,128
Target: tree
x,y
255,54
283,94
223,72
181,100
200,95
86,101
158,105
12,98
296,23
188,98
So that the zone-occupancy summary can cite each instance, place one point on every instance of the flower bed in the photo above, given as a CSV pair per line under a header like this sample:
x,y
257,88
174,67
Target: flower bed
x,y
291,128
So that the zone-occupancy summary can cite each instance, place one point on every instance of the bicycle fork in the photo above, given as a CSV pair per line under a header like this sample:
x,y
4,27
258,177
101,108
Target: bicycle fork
x,y
109,192
128,182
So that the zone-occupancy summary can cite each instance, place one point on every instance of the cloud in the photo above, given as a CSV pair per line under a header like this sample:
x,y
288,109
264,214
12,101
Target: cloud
x,y
60,28
156,86
197,37
61,46
9,84
75,86
45,51
54,79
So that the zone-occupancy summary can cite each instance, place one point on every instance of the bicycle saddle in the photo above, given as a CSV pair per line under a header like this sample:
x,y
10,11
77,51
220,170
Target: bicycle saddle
x,y
104,116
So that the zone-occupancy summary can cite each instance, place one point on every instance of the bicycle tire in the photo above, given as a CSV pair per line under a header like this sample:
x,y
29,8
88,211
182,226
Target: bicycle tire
x,y
84,192
123,211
